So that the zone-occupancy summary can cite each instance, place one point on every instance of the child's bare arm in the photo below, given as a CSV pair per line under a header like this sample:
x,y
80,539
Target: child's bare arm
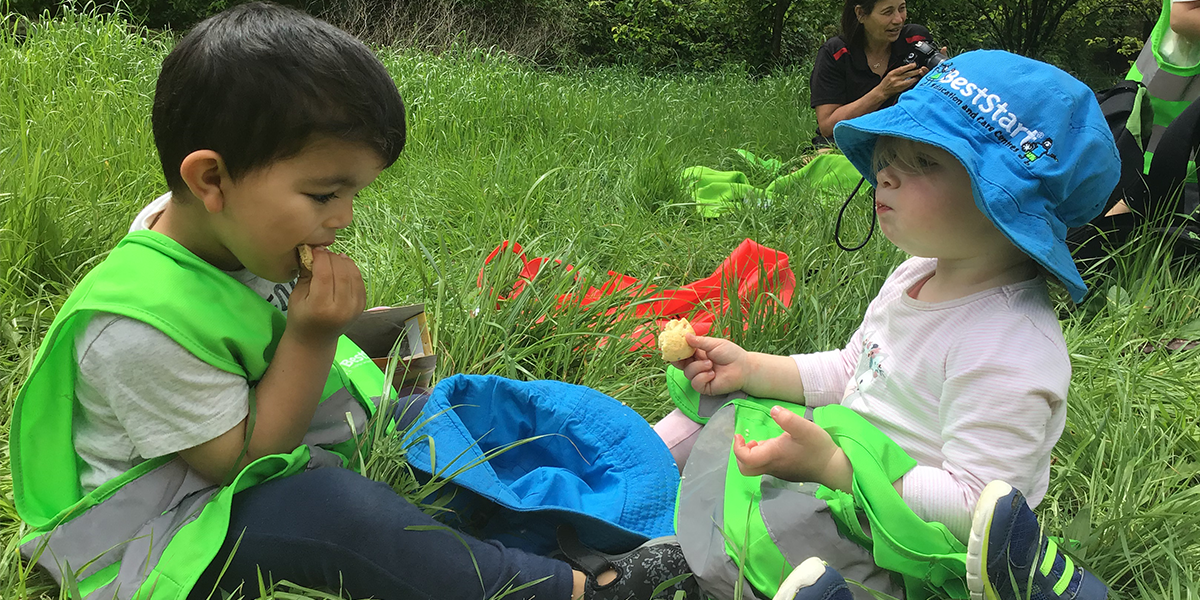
x,y
322,306
774,376
720,366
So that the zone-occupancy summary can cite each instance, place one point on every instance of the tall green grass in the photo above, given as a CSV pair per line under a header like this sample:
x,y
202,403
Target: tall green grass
x,y
581,166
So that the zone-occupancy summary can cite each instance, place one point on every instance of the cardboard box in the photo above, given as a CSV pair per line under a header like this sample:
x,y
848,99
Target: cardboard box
x,y
405,328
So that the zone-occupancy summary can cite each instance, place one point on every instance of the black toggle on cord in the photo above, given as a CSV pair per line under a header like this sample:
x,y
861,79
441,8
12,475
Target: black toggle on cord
x,y
837,227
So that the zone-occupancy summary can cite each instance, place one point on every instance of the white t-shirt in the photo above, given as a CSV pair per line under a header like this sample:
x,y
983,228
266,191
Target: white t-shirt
x,y
142,395
974,389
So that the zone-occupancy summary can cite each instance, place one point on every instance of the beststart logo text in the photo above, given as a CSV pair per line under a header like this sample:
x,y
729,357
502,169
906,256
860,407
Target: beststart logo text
x,y
355,360
986,108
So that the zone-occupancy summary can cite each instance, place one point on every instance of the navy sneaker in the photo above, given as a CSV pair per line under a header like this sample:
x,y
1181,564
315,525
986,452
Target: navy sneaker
x,y
814,580
1008,558
658,563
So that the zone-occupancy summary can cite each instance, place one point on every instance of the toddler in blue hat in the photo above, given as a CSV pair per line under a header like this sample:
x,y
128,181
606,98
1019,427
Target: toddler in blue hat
x,y
960,359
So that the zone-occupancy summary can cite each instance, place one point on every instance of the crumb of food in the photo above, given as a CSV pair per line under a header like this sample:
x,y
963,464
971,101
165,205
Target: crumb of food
x,y
672,341
306,257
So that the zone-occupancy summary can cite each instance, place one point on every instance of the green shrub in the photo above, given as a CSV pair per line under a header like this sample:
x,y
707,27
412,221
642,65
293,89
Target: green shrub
x,y
155,14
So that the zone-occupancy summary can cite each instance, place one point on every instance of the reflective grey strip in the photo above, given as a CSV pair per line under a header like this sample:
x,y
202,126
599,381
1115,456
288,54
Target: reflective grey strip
x,y
1162,84
708,406
329,425
802,526
700,519
143,515
1156,134
320,458
143,553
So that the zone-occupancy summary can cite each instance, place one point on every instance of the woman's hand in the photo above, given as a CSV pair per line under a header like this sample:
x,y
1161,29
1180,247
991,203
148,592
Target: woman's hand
x,y
900,79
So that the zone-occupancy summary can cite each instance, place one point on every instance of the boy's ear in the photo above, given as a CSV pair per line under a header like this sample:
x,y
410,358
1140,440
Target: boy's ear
x,y
203,171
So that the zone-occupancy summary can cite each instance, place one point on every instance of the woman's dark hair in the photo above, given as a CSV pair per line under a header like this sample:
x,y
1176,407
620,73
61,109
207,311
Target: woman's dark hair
x,y
852,30
259,82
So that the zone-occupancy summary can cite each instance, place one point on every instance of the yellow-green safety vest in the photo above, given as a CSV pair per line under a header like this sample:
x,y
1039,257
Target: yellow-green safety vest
x,y
151,532
736,528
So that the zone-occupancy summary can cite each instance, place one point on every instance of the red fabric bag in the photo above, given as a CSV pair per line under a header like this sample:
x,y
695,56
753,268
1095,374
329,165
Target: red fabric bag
x,y
752,269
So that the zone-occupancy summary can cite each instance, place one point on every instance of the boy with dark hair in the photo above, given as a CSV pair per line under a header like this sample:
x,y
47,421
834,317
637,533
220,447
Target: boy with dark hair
x,y
193,357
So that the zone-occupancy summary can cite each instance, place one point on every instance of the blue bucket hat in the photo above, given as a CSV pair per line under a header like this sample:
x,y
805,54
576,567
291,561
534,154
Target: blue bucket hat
x,y
1038,150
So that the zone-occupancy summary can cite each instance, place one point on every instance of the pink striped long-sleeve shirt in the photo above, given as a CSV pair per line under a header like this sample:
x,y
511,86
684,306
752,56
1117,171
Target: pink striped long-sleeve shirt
x,y
974,389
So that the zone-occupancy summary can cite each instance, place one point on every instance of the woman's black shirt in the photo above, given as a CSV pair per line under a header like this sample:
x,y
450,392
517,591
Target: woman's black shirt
x,y
841,74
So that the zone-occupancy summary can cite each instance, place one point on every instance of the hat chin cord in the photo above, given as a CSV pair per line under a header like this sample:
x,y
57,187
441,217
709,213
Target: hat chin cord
x,y
837,227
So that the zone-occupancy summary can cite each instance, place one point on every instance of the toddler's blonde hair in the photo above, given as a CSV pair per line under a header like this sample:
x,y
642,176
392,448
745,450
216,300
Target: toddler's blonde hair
x,y
902,154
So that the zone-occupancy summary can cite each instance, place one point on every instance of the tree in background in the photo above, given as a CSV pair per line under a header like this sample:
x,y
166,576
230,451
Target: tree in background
x,y
778,10
1093,39
1025,27
1112,33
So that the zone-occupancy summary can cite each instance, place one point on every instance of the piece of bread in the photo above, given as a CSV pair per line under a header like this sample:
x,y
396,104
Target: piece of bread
x,y
672,342
305,252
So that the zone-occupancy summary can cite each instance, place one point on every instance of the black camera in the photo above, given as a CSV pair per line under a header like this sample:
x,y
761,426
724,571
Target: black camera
x,y
925,55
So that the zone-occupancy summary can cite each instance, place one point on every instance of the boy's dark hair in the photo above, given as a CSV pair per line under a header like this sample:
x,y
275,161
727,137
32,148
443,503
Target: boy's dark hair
x,y
258,82
852,30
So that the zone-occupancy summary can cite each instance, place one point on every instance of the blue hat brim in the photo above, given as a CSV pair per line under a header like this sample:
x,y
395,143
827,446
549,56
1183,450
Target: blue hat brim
x,y
1041,236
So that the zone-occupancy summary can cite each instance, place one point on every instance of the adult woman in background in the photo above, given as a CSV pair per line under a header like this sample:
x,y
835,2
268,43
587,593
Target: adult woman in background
x,y
863,69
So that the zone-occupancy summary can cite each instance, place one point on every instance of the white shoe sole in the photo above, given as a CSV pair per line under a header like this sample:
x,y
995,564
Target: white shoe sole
x,y
981,526
801,577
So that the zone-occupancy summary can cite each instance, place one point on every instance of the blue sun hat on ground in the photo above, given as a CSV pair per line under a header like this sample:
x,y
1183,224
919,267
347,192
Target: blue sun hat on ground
x,y
1038,150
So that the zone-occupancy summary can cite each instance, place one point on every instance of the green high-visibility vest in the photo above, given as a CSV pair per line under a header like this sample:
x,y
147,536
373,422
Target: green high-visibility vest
x,y
183,519
925,554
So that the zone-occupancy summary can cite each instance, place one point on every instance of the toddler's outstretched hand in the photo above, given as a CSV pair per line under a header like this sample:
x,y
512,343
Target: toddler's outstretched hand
x,y
718,367
803,452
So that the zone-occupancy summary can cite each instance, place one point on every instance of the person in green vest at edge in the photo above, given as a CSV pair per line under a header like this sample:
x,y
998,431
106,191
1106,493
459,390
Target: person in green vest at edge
x,y
959,370
1167,66
191,410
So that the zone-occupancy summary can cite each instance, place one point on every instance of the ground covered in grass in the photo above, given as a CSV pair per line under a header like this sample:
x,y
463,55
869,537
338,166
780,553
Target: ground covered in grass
x,y
583,166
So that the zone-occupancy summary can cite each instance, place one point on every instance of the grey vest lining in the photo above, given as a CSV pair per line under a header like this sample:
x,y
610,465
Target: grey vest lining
x,y
142,554
701,519
800,524
131,516
1162,84
329,424
144,515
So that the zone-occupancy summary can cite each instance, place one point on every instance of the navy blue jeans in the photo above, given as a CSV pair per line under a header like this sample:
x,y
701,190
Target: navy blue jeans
x,y
337,530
